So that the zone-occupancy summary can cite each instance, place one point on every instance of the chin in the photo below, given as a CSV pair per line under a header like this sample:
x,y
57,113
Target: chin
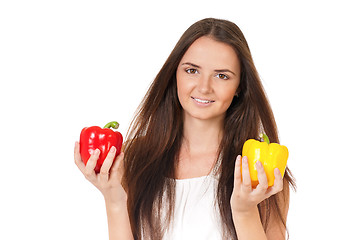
x,y
205,117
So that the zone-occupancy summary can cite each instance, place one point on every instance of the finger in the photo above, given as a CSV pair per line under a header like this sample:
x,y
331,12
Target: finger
x,y
108,161
118,164
89,168
77,158
262,178
278,184
117,170
237,173
246,178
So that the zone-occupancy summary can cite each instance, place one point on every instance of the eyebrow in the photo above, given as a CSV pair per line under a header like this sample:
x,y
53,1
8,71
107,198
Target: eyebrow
x,y
191,64
218,70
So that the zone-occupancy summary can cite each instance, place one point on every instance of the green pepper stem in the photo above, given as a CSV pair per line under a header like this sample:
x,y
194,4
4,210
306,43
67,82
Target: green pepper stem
x,y
113,124
265,138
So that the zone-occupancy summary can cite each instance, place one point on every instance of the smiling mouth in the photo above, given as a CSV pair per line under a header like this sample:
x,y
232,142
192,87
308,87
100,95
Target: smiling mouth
x,y
202,101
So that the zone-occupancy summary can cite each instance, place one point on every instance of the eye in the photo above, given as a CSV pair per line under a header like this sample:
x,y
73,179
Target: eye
x,y
222,76
191,70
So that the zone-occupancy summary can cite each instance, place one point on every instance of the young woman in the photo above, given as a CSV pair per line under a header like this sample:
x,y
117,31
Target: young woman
x,y
180,174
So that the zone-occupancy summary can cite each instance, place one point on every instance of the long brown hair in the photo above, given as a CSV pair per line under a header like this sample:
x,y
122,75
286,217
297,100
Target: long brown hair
x,y
155,136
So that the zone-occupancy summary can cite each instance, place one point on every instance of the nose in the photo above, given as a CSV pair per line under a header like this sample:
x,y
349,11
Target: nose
x,y
205,84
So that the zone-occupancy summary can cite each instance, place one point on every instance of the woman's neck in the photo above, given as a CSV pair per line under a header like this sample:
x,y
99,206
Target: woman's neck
x,y
202,135
199,150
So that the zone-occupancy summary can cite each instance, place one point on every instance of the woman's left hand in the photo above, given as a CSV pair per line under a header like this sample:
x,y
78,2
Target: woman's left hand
x,y
244,199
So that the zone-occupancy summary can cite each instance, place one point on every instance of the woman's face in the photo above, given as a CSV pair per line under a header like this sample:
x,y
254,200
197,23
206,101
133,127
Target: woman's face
x,y
208,76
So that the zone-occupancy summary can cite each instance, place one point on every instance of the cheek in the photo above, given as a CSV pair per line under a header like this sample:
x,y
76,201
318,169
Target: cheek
x,y
181,89
227,96
228,93
184,85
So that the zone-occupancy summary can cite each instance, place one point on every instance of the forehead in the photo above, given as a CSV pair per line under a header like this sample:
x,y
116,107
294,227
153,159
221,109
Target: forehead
x,y
210,53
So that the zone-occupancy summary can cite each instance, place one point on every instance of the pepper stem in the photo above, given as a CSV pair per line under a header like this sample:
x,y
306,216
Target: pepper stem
x,y
265,138
113,124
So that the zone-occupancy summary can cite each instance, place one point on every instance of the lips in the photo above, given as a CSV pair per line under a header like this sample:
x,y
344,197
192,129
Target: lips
x,y
203,101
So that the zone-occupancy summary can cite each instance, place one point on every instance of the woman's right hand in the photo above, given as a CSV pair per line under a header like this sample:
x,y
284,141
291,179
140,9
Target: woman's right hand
x,y
108,180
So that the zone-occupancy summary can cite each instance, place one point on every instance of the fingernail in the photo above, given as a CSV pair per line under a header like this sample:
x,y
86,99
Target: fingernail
x,y
96,151
244,160
112,149
259,164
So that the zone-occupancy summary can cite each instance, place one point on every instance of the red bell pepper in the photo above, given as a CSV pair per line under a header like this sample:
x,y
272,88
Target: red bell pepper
x,y
94,137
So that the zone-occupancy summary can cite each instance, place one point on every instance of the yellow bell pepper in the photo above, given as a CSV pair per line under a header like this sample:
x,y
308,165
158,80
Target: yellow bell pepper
x,y
271,155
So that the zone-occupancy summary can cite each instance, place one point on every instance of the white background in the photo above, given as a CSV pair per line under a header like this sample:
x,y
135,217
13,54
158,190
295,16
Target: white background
x,y
69,64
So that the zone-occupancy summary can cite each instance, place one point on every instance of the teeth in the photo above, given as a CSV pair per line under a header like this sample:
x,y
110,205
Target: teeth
x,y
202,101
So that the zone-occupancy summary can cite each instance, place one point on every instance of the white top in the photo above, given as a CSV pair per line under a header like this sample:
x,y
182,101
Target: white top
x,y
196,213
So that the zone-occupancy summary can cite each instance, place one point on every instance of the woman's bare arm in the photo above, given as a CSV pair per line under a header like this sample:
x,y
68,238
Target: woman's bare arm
x,y
118,222
108,181
244,201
